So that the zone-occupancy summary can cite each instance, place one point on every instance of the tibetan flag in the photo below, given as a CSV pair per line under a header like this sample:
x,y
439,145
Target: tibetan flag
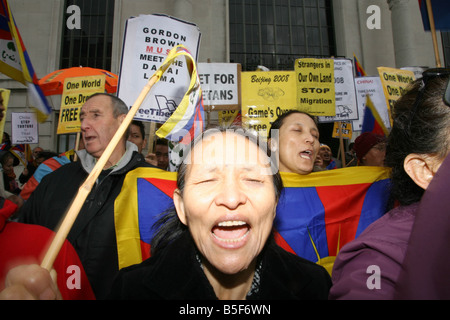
x,y
146,193
441,14
16,64
22,152
358,68
188,119
321,212
372,121
317,213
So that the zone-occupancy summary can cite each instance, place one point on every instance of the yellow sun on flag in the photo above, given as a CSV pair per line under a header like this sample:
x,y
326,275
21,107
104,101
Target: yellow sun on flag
x,y
326,262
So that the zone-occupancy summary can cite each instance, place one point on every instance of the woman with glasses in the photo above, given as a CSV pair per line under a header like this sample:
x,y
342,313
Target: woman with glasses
x,y
369,266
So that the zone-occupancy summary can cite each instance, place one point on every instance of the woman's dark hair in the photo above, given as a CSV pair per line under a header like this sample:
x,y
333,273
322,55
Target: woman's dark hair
x,y
169,227
46,154
423,129
5,156
276,125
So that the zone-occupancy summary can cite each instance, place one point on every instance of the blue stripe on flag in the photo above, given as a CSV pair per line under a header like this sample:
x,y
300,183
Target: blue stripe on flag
x,y
375,202
303,208
149,208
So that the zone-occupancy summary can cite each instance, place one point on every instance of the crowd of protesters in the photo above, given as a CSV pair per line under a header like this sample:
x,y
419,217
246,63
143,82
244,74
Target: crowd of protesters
x,y
415,150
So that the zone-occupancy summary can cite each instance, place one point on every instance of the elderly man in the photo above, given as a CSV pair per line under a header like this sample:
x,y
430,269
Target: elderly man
x,y
93,233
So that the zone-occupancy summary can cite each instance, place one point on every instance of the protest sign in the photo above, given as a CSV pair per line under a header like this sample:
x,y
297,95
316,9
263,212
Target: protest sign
x,y
229,118
24,128
266,96
342,129
395,83
416,70
315,86
345,96
372,87
147,42
220,83
5,95
75,92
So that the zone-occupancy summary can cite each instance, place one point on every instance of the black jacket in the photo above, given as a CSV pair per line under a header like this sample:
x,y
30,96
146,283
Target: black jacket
x,y
175,274
93,233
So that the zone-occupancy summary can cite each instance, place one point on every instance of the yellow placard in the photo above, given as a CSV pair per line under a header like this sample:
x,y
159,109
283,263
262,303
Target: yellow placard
x,y
229,117
5,95
266,96
395,83
76,91
345,127
315,86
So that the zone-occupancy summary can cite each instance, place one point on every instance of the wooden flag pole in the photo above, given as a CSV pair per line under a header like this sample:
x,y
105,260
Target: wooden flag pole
x,y
87,186
152,138
433,33
341,145
77,145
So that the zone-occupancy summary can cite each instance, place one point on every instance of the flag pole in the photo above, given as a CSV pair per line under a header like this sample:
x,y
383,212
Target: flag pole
x,y
87,186
341,145
433,33
77,145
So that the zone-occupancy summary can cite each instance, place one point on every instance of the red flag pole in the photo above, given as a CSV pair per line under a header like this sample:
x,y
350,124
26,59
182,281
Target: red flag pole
x,y
433,33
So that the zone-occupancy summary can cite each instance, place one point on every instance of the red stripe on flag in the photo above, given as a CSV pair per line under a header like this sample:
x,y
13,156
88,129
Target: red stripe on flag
x,y
53,164
377,129
341,213
282,243
145,250
166,186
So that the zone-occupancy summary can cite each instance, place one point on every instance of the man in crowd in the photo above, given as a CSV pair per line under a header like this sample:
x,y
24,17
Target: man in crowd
x,y
93,232
162,153
137,135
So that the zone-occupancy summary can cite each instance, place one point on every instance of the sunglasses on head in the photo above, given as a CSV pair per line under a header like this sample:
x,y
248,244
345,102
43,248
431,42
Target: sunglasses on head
x,y
440,72
426,76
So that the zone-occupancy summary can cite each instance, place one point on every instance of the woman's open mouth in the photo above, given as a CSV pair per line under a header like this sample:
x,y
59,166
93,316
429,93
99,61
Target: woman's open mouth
x,y
231,234
307,154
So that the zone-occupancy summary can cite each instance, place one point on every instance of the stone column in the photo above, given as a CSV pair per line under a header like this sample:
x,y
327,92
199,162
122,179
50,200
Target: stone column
x,y
183,9
413,46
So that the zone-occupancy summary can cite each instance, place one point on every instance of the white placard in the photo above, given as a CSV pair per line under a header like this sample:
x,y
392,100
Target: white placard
x,y
24,128
346,105
220,83
147,42
370,86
